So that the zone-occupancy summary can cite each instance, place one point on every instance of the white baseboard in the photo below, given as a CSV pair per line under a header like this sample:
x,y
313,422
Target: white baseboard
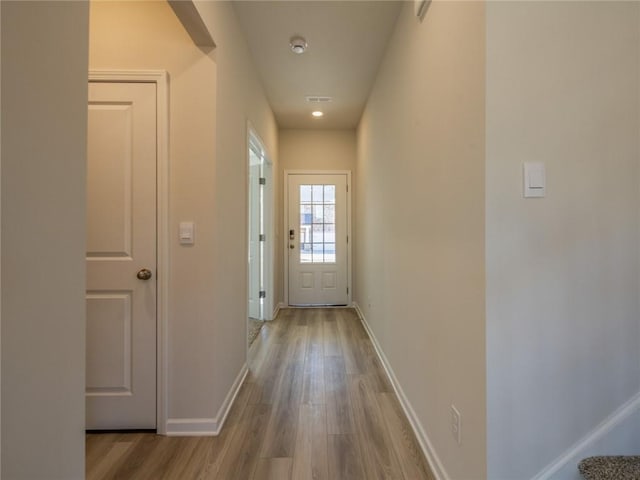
x,y
223,412
191,427
200,427
425,444
581,449
276,310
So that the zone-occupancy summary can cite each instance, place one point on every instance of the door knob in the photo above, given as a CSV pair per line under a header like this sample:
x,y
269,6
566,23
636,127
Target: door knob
x,y
292,247
144,274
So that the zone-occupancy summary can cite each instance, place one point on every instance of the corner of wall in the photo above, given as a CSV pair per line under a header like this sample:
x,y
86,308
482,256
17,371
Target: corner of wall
x,y
197,427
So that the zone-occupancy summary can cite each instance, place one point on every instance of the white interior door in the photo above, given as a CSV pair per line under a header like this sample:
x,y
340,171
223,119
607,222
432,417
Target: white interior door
x,y
121,256
255,257
317,239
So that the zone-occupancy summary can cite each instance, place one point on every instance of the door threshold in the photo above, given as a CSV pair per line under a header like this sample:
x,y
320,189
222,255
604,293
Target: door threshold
x,y
320,305
122,430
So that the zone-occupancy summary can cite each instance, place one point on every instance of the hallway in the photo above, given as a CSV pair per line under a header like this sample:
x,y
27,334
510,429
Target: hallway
x,y
316,404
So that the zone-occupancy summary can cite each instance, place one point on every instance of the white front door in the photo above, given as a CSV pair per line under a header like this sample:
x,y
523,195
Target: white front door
x,y
121,256
317,239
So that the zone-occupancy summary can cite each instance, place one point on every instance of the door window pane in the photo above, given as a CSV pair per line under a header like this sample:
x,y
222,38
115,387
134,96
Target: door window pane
x,y
305,193
305,253
318,253
317,224
329,233
329,253
318,234
318,214
317,194
329,214
305,215
305,234
329,194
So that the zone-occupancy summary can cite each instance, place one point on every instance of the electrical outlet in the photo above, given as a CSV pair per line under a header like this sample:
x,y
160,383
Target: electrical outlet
x,y
456,424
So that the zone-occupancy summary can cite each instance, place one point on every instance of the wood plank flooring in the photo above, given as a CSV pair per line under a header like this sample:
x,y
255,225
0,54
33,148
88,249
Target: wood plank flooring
x,y
316,405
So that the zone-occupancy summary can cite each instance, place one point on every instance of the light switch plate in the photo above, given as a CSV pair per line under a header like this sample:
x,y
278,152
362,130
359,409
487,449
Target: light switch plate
x,y
187,233
534,180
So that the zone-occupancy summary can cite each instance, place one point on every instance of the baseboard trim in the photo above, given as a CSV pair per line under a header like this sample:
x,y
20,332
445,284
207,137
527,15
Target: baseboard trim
x,y
423,440
209,427
191,427
616,418
276,310
223,412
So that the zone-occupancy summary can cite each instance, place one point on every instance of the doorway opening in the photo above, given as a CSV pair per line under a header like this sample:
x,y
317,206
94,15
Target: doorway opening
x,y
260,236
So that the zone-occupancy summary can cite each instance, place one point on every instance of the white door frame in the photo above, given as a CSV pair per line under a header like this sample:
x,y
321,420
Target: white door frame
x,y
269,247
161,80
285,223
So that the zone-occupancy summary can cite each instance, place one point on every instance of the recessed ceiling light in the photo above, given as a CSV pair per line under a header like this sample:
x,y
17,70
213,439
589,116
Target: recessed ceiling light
x,y
298,44
317,114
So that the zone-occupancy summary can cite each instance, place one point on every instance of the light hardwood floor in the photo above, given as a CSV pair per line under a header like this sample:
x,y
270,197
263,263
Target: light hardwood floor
x,y
316,405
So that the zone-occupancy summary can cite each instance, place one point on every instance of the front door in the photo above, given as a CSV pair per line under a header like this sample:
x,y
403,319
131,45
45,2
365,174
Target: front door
x,y
121,256
317,239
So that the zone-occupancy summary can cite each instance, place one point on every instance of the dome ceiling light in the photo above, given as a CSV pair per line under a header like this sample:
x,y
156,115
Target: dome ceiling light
x,y
298,44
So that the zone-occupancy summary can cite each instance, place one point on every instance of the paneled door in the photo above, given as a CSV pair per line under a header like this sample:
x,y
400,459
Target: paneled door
x,y
317,235
121,256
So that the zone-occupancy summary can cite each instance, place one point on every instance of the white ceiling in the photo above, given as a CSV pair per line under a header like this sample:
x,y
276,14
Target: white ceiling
x,y
346,39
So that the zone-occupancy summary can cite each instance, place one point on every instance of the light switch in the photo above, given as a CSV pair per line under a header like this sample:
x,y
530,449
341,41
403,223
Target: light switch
x,y
187,233
534,180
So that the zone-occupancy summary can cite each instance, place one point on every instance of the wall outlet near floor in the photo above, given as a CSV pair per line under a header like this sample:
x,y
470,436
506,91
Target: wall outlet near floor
x,y
456,424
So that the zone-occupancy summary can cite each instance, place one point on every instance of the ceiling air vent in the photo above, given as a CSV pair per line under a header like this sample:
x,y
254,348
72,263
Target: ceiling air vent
x,y
318,99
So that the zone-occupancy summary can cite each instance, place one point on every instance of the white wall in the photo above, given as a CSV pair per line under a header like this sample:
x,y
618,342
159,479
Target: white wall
x,y
312,150
212,96
563,321
420,223
240,99
317,150
44,121
148,35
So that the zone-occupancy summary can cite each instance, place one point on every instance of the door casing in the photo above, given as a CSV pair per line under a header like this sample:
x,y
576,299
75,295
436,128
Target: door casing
x,y
269,244
285,234
161,79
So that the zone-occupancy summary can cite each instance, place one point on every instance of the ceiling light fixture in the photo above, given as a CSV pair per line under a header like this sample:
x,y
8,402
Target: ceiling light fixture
x,y
317,114
298,44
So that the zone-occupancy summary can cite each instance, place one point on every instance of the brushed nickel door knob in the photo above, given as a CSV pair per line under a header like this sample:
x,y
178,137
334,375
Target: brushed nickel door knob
x,y
144,274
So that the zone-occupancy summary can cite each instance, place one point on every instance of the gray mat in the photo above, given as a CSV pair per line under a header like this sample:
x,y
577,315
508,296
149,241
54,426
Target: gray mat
x,y
254,329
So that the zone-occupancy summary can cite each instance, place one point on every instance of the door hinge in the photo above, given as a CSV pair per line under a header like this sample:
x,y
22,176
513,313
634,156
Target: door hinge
x,y
262,181
347,290
347,188
262,237
263,294
347,238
